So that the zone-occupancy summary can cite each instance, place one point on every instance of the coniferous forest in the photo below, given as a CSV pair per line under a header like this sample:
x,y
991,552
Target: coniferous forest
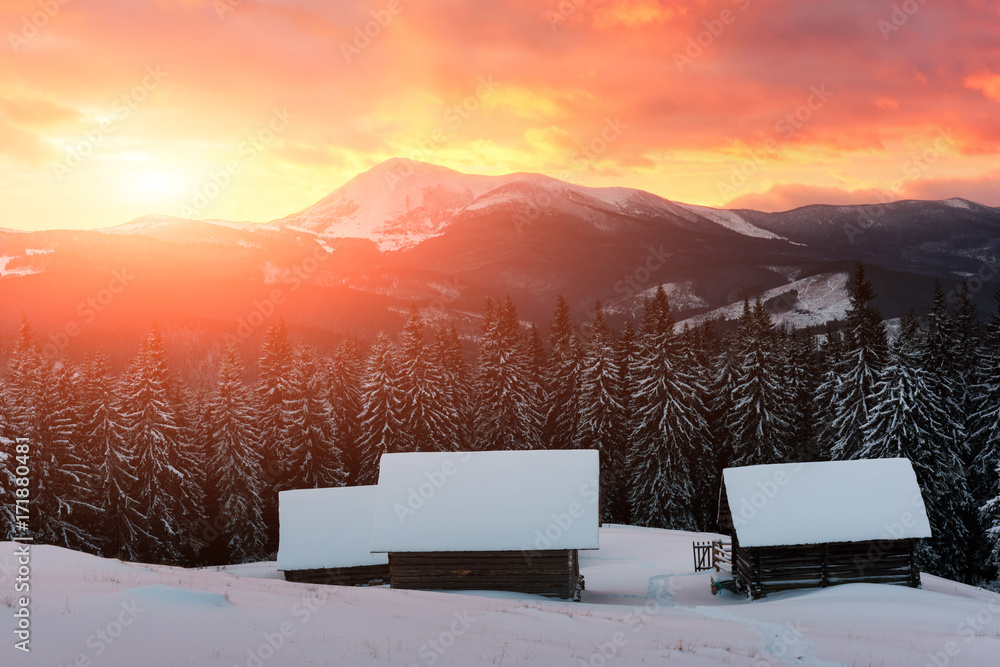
x,y
144,467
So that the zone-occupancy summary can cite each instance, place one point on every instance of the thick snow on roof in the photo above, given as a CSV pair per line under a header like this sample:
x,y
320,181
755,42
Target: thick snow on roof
x,y
830,501
326,528
487,501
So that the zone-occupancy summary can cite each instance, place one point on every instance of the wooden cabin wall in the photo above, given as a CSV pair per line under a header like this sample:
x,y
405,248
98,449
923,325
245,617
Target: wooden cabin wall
x,y
550,573
763,570
343,576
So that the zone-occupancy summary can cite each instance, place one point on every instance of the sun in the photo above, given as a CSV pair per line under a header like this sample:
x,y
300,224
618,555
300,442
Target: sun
x,y
157,184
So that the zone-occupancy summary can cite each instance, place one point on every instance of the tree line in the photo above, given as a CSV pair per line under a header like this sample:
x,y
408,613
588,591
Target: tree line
x,y
143,467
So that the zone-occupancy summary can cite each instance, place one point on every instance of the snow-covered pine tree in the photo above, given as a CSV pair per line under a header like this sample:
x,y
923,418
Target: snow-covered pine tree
x,y
167,494
274,370
910,419
603,423
309,446
8,465
759,422
853,383
429,420
507,413
448,357
969,363
562,380
43,410
236,463
669,426
538,362
803,370
830,364
273,388
113,462
381,426
345,370
984,474
701,344
76,479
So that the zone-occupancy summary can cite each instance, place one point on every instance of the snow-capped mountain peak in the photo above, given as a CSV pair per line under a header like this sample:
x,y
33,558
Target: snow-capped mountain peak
x,y
400,203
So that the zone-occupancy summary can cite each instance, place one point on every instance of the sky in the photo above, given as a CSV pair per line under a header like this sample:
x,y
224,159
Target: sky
x,y
255,109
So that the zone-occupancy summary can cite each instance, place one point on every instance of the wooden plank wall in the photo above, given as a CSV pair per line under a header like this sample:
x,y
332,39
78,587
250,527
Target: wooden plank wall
x,y
550,573
763,570
367,575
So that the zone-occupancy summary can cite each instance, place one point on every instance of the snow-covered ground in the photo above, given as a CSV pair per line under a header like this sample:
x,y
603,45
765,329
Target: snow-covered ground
x,y
643,606
817,300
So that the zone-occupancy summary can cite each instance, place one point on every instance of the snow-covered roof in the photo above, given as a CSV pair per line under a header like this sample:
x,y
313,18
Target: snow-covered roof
x,y
487,501
829,501
326,528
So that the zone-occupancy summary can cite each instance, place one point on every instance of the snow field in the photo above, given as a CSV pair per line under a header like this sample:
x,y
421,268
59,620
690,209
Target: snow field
x,y
642,606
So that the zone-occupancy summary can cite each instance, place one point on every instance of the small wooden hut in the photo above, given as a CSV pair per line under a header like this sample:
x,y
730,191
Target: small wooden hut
x,y
507,521
801,525
325,537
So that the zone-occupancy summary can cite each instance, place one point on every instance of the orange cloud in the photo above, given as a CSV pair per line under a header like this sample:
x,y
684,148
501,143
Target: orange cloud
x,y
700,88
988,83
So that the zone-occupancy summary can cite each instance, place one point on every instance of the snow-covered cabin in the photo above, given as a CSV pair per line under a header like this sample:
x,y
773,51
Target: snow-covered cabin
x,y
510,521
325,536
800,525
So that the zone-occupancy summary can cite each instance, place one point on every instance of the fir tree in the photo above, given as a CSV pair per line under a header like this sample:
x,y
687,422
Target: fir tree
x,y
911,419
669,427
506,416
309,449
381,425
113,461
236,463
758,422
984,474
603,422
167,493
448,357
345,376
428,419
562,381
851,386
273,378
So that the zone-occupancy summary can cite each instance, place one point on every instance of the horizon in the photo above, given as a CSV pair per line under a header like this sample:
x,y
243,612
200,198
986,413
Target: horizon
x,y
767,106
159,214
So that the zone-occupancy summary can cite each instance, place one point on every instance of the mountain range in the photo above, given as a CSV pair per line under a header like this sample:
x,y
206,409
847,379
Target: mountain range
x,y
407,232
